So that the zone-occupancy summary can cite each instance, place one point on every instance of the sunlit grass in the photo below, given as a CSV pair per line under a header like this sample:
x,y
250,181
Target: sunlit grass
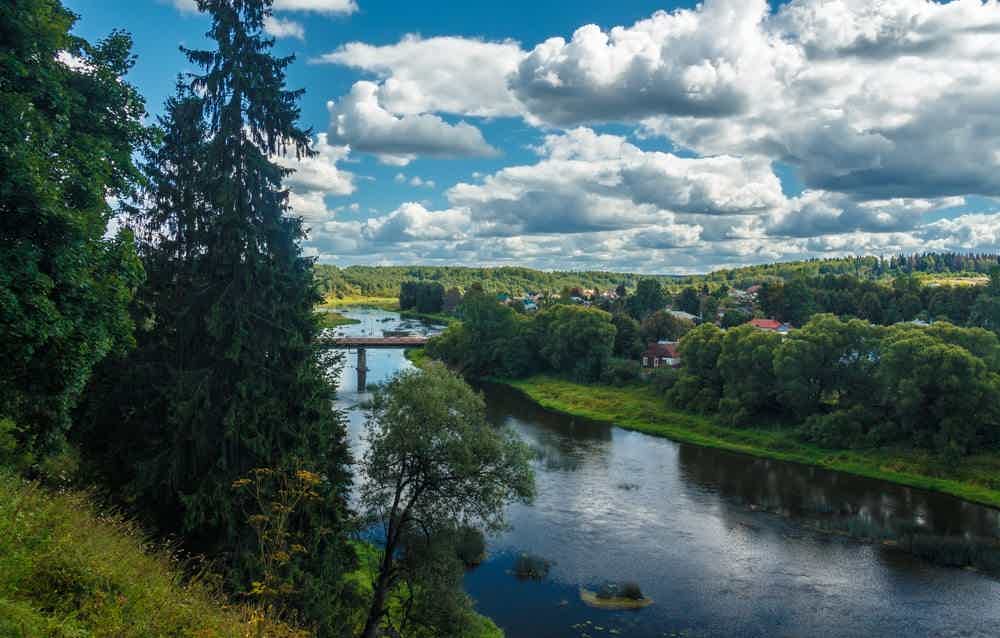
x,y
640,408
67,570
332,319
360,301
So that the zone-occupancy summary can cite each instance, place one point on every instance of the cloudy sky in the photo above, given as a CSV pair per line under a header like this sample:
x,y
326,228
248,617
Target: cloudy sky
x,y
644,136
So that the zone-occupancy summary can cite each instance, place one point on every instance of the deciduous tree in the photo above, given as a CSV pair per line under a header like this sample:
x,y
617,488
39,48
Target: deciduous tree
x,y
433,465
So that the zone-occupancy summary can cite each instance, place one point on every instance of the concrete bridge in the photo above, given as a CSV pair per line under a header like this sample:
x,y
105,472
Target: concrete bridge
x,y
362,344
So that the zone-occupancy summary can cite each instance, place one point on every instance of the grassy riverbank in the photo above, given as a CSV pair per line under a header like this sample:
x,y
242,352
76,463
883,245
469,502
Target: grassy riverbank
x,y
68,570
640,408
429,317
332,319
383,303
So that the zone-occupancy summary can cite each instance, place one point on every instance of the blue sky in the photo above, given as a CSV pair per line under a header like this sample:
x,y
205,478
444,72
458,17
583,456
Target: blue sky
x,y
650,136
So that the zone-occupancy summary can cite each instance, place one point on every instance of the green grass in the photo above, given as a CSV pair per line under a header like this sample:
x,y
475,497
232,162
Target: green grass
x,y
368,561
417,356
331,319
429,317
70,571
640,408
384,303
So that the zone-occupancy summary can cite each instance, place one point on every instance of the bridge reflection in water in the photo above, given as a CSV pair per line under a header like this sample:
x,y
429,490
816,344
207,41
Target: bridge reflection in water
x,y
362,344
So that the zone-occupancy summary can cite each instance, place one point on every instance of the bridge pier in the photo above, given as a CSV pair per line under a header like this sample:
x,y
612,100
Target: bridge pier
x,y
362,369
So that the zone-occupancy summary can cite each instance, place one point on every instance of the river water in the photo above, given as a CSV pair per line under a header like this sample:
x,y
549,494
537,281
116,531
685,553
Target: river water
x,y
725,544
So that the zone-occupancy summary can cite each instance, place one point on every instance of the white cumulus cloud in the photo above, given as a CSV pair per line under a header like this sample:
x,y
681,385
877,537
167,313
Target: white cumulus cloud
x,y
360,120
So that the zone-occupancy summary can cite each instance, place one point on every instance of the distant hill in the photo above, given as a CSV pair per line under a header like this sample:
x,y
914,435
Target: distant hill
x,y
384,281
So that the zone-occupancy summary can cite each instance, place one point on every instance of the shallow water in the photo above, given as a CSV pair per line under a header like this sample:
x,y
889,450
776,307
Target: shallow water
x,y
725,544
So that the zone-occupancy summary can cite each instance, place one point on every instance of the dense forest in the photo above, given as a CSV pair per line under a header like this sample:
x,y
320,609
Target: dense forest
x,y
385,281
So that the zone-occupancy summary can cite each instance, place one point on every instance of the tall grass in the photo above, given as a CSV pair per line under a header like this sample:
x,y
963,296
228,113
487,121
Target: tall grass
x,y
70,571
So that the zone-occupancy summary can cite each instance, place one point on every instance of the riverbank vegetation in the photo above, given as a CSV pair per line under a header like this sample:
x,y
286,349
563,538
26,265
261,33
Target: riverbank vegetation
x,y
333,319
642,408
910,403
390,304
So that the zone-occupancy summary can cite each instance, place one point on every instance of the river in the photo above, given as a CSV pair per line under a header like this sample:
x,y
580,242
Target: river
x,y
725,544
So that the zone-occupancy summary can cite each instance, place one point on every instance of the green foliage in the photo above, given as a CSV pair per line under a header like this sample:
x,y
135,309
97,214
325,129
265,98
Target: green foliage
x,y
937,395
648,298
68,570
827,360
628,339
531,567
408,606
689,301
434,465
67,135
661,325
576,340
746,365
733,317
699,386
424,297
387,280
621,372
850,383
491,340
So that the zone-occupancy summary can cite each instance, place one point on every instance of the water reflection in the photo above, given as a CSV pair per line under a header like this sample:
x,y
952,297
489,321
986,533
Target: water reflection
x,y
801,491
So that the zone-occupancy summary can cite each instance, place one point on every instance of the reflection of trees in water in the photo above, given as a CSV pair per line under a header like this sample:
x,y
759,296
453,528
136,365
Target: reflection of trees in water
x,y
562,443
815,494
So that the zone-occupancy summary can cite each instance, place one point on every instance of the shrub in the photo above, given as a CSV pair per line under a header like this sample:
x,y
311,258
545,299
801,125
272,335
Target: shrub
x,y
621,372
529,566
663,379
631,591
470,546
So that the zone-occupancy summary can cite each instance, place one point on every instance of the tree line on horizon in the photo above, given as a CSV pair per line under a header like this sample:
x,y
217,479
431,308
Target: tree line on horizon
x,y
385,281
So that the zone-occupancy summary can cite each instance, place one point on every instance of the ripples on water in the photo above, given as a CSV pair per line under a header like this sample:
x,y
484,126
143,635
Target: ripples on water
x,y
723,543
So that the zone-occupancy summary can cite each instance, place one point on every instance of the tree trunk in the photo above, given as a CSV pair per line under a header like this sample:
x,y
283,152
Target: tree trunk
x,y
381,588
376,610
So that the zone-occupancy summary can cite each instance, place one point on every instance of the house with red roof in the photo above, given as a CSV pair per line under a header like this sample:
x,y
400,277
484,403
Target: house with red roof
x,y
663,354
771,325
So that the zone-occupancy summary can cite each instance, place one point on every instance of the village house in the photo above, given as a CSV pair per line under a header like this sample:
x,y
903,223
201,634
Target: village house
x,y
662,354
771,325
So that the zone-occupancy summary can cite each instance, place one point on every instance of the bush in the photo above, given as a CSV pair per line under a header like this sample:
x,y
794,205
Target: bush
x,y
663,379
843,428
631,591
531,567
621,372
628,589
470,546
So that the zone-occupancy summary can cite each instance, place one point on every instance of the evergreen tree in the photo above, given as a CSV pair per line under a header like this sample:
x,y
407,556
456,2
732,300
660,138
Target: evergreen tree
x,y
227,379
68,127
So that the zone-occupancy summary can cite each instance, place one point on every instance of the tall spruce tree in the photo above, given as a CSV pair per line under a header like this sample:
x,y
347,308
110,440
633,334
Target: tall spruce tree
x,y
69,124
226,378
